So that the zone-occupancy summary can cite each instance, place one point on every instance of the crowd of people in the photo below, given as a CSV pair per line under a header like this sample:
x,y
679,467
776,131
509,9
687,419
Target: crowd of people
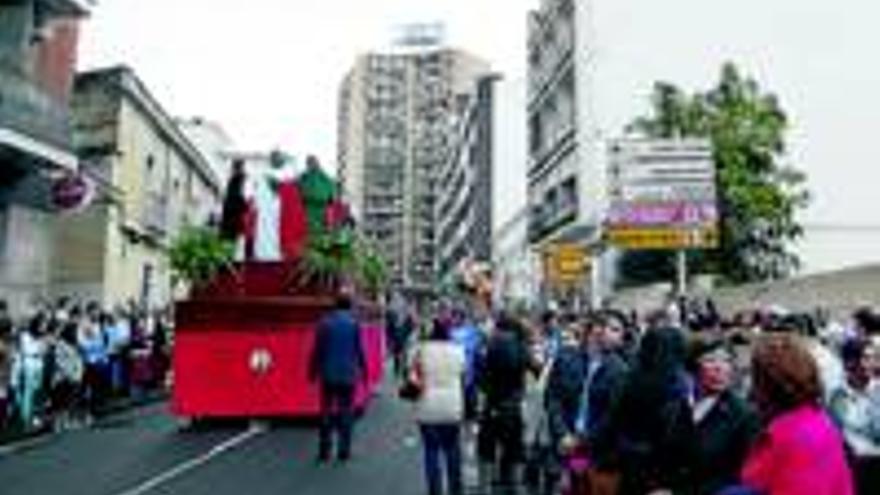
x,y
682,401
69,361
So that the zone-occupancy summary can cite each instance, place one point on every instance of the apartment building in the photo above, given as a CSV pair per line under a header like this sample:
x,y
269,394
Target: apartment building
x,y
397,116
565,171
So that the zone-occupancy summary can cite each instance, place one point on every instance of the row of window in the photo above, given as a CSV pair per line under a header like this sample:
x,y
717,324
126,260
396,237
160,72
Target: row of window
x,y
386,63
552,37
555,117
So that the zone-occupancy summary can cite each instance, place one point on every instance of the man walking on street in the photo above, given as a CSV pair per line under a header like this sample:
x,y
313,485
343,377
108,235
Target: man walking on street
x,y
503,380
338,364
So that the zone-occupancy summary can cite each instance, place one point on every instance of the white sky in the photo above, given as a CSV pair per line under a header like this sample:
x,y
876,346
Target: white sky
x,y
268,70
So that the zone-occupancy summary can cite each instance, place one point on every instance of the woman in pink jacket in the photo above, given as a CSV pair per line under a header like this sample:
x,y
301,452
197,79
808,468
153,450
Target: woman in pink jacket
x,y
800,452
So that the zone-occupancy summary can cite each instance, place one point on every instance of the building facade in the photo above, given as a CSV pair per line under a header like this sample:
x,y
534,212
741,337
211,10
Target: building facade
x,y
154,182
397,115
38,42
464,206
516,267
565,168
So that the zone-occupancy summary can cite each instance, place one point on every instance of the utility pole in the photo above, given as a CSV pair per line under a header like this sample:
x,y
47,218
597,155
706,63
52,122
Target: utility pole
x,y
682,273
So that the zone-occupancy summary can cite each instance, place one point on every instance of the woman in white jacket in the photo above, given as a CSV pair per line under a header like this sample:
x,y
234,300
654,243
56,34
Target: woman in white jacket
x,y
439,366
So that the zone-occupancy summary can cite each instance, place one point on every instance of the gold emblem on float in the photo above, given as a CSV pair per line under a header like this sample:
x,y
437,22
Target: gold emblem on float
x,y
260,361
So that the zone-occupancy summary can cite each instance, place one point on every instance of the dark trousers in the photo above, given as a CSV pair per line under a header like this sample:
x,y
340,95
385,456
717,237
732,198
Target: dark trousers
x,y
96,380
471,402
867,474
541,470
442,445
398,355
500,438
337,416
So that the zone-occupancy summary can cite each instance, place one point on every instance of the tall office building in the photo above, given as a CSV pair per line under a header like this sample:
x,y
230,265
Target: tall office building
x,y
464,206
565,173
398,112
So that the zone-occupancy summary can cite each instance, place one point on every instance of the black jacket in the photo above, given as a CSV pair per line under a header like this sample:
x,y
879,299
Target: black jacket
x,y
565,392
724,437
564,389
338,357
502,376
651,438
234,208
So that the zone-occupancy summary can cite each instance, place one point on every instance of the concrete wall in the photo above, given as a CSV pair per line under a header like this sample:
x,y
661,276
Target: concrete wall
x,y
80,245
839,292
25,253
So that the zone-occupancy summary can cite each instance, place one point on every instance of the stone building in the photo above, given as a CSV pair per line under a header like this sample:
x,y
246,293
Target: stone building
x,y
154,182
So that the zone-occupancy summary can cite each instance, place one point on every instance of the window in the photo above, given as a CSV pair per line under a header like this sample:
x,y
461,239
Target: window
x,y
569,196
536,134
535,57
551,200
550,35
147,284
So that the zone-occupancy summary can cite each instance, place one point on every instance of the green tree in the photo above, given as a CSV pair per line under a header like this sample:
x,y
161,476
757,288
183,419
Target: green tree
x,y
759,195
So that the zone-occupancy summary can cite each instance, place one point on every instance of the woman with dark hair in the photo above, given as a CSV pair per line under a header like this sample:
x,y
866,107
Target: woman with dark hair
x,y
651,430
66,382
799,451
439,366
726,424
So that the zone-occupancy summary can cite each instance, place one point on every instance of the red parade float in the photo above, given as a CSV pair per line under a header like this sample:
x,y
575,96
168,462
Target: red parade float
x,y
244,337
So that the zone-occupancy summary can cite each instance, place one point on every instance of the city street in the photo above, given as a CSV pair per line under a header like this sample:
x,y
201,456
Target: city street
x,y
145,452
611,247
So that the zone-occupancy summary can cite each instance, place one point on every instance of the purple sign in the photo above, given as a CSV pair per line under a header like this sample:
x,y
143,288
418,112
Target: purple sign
x,y
73,192
671,214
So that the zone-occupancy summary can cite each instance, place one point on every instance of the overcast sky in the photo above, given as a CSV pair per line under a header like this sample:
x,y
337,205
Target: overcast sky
x,y
268,70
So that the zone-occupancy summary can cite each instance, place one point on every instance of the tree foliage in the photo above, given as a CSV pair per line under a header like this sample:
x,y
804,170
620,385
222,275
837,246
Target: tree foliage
x,y
198,254
341,257
759,195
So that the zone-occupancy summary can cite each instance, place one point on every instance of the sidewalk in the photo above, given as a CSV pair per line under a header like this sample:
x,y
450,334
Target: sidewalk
x,y
15,433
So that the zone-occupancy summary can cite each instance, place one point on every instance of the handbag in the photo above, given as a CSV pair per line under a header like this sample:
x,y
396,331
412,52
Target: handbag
x,y
413,387
604,482
410,390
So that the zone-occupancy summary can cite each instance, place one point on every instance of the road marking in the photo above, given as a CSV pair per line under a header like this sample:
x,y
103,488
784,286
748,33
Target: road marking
x,y
183,468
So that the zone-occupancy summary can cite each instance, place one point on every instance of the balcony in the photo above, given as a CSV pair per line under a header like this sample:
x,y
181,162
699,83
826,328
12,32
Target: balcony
x,y
28,110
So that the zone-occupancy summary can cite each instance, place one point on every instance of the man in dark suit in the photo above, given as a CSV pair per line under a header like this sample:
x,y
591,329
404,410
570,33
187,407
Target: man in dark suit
x,y
502,377
338,363
585,381
234,204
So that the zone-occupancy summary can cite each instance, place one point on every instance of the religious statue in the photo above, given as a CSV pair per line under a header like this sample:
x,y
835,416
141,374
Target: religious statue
x,y
271,214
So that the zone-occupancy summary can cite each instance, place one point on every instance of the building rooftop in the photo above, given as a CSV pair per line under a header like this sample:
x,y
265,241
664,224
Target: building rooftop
x,y
133,87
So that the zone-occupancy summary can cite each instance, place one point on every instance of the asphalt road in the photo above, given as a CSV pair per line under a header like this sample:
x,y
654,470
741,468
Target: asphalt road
x,y
146,452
